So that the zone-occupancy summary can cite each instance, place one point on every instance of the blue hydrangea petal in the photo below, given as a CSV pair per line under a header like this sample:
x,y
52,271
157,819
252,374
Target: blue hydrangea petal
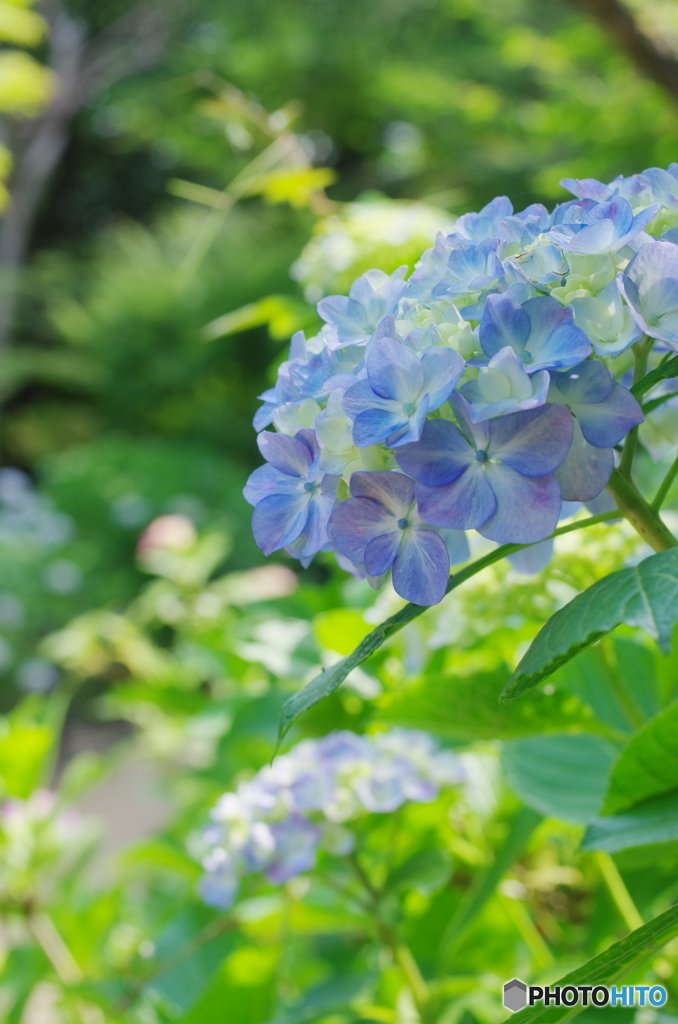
x,y
607,424
527,507
279,519
586,384
267,480
354,523
554,341
457,546
393,490
440,456
533,442
288,454
586,470
381,551
315,527
360,397
421,569
442,369
375,426
411,432
650,286
394,371
504,322
463,505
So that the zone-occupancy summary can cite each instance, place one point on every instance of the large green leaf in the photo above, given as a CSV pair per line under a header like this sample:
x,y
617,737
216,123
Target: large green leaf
x,y
648,765
561,776
614,964
645,595
653,821
467,707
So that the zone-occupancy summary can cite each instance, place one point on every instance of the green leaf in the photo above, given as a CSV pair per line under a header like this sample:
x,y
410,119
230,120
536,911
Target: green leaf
x,y
522,826
648,766
653,821
665,371
561,776
426,871
467,707
645,596
606,968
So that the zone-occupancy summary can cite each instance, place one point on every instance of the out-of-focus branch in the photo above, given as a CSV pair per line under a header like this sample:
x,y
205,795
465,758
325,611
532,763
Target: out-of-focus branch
x,y
618,21
83,69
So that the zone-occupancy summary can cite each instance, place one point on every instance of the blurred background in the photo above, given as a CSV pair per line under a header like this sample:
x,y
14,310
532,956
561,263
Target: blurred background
x,y
181,183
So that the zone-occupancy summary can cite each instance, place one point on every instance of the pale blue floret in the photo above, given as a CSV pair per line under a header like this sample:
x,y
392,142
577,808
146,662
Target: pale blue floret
x,y
401,388
604,228
544,264
633,188
476,227
650,286
372,297
541,332
607,320
504,386
664,185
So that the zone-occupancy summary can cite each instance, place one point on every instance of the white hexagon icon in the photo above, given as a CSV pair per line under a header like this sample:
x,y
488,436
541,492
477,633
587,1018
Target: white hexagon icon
x,y
515,995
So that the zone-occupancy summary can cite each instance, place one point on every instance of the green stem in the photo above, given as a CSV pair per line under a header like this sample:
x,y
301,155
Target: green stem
x,y
618,891
665,486
402,954
331,678
641,350
640,513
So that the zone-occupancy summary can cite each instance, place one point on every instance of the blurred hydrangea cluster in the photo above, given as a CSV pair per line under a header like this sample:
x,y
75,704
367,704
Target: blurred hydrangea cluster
x,y
479,394
278,820
39,842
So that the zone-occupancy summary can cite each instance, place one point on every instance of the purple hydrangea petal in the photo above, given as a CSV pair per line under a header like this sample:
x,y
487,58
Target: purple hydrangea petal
x,y
605,410
296,846
527,507
288,454
381,551
279,519
439,457
586,470
315,528
267,480
354,523
555,341
422,567
533,442
393,490
465,504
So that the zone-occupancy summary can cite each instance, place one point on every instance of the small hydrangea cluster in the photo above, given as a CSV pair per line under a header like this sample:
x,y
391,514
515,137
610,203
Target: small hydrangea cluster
x,y
479,394
277,821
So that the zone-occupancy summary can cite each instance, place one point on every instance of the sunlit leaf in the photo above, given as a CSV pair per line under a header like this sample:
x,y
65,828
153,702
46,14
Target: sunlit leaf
x,y
653,821
561,776
645,596
284,314
648,765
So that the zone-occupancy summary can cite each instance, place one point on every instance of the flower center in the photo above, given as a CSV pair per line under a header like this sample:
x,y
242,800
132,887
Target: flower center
x,y
403,523
308,486
481,456
408,408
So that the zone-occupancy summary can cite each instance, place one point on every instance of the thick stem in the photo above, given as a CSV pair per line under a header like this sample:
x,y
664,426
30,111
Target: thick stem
x,y
640,514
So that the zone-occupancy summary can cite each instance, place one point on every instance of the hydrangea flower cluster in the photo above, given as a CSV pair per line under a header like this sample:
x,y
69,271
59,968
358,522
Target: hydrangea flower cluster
x,y
277,821
479,394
